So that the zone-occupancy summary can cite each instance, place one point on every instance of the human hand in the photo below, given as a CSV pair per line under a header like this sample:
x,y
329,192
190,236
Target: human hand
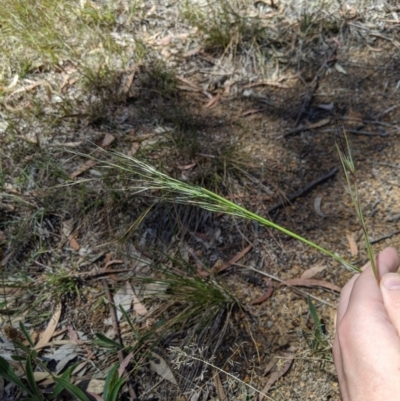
x,y
366,349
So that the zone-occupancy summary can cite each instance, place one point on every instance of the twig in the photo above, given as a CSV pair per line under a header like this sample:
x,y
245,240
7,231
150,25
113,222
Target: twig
x,y
302,293
311,89
304,190
374,241
114,320
379,116
386,164
295,131
357,132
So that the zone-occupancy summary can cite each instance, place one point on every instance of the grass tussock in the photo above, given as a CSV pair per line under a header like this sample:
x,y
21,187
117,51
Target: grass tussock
x,y
225,24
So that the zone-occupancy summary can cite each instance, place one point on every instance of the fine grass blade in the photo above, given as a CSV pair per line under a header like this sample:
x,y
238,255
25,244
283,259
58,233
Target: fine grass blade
x,y
148,178
351,181
319,337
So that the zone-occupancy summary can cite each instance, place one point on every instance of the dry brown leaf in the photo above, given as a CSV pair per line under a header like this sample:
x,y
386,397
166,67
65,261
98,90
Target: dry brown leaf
x,y
236,258
128,83
27,88
68,81
73,243
268,83
51,328
192,52
67,226
301,282
86,166
263,297
213,101
134,148
40,376
164,41
12,83
107,140
280,367
158,365
272,362
152,10
73,335
252,111
96,386
319,123
138,307
219,387
354,116
312,271
317,206
224,266
124,364
340,69
352,244
187,82
187,166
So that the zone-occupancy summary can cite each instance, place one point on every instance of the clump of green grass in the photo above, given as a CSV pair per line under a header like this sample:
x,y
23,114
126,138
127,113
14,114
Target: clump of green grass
x,y
158,78
30,362
61,285
224,24
317,338
47,42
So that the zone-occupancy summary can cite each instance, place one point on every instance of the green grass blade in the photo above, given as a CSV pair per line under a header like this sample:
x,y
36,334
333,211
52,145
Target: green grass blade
x,y
7,373
67,376
319,338
113,384
183,192
351,181
31,378
107,342
26,334
71,388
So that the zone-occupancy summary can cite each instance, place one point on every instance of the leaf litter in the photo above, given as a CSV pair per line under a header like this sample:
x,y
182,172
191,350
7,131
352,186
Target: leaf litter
x,y
305,154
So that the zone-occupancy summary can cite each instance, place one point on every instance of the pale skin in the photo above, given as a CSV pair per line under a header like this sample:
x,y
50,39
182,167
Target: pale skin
x,y
366,348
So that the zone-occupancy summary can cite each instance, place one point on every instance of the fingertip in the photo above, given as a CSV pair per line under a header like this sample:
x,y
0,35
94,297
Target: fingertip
x,y
388,261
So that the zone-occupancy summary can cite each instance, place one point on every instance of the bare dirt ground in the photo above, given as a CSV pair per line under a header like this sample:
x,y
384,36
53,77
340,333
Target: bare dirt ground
x,y
257,123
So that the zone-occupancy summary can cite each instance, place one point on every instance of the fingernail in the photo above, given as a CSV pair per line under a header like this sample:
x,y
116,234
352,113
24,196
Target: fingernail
x,y
391,281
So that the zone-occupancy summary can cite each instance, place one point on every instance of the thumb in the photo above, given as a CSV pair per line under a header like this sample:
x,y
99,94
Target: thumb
x,y
390,288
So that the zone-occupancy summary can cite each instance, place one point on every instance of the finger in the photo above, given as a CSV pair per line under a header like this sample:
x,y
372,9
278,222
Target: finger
x,y
346,291
344,298
365,290
390,288
386,261
338,361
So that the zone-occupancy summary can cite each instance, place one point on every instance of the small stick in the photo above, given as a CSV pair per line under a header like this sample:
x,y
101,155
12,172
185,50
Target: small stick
x,y
358,132
304,190
374,241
